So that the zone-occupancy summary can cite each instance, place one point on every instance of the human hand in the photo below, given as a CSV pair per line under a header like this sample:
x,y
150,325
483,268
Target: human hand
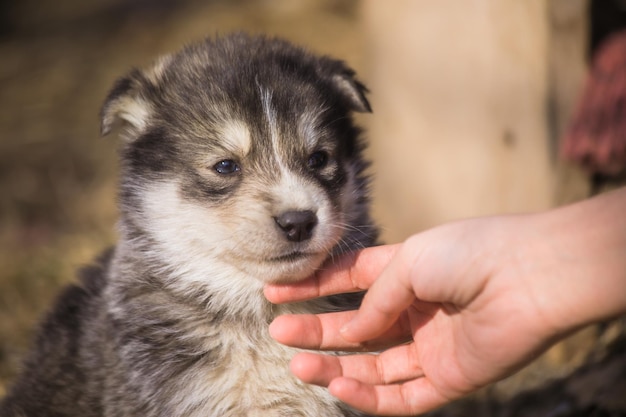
x,y
474,299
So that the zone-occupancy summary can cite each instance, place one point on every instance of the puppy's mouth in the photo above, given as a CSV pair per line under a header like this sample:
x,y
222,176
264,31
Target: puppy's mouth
x,y
291,257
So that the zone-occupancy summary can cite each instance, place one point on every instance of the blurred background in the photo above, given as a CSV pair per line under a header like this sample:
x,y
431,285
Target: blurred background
x,y
472,102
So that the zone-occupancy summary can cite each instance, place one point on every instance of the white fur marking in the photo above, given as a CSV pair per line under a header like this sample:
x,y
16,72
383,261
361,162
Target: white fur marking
x,y
155,74
135,111
236,137
270,114
310,127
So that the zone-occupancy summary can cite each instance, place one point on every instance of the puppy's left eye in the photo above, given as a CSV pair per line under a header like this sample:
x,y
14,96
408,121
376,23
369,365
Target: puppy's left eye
x,y
226,167
317,160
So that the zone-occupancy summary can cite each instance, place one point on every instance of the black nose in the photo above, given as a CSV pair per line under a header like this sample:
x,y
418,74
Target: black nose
x,y
297,225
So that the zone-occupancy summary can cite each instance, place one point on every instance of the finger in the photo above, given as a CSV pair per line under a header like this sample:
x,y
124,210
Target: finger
x,y
410,398
309,331
321,332
316,369
320,369
353,272
386,300
396,365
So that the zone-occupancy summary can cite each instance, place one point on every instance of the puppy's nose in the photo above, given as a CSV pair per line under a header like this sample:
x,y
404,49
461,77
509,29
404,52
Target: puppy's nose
x,y
297,225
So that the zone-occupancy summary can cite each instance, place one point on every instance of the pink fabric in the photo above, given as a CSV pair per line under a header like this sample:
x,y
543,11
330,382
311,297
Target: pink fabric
x,y
596,137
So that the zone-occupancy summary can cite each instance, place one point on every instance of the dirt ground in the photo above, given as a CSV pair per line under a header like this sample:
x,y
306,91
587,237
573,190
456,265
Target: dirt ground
x,y
58,177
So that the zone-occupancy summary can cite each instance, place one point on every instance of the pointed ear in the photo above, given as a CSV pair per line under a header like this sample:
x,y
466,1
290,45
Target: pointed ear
x,y
352,91
125,105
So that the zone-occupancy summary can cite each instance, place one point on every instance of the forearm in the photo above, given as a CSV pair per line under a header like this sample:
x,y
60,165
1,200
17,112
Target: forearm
x,y
582,261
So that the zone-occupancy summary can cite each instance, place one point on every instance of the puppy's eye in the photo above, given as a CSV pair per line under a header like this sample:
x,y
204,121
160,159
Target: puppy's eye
x,y
226,167
317,160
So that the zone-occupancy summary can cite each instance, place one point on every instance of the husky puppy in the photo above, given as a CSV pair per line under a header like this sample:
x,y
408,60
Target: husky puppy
x,y
241,166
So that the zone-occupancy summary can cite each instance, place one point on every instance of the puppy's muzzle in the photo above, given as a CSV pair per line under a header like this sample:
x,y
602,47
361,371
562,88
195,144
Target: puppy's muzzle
x,y
297,225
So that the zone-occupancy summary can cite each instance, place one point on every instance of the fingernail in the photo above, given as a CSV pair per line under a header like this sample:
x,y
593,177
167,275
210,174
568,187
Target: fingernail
x,y
350,331
345,330
274,329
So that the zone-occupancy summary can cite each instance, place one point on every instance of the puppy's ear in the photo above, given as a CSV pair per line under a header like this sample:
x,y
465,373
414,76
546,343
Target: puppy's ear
x,y
352,90
129,101
125,105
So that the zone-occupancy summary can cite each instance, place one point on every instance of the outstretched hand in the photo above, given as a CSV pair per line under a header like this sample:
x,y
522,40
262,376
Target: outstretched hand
x,y
459,306
453,327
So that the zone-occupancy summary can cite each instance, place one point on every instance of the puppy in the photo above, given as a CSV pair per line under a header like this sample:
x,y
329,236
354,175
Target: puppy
x,y
240,166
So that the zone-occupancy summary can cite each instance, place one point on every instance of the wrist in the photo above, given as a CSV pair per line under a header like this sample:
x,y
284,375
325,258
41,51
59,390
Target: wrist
x,y
581,255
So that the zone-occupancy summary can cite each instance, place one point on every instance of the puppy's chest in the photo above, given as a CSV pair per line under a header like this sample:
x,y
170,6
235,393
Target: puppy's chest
x,y
246,373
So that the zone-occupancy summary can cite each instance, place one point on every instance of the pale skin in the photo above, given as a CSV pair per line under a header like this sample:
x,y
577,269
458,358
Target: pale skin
x,y
459,306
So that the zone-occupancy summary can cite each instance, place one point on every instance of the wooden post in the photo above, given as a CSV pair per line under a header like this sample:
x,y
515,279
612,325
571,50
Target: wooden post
x,y
461,93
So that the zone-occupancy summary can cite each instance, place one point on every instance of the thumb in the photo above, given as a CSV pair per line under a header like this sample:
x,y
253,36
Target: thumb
x,y
390,294
434,266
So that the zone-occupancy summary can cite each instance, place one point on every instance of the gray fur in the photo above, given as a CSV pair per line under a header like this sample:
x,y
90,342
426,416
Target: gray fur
x,y
222,142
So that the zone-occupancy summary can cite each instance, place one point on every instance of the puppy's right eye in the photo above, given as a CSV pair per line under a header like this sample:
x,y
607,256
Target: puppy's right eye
x,y
226,167
317,160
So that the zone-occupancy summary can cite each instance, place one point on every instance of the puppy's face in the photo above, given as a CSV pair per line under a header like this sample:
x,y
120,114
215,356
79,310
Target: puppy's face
x,y
241,153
